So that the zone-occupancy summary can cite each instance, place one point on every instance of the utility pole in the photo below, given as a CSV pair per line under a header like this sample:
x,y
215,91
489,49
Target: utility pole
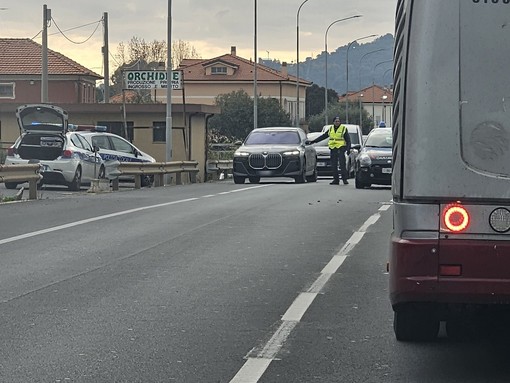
x,y
44,70
105,60
255,98
169,127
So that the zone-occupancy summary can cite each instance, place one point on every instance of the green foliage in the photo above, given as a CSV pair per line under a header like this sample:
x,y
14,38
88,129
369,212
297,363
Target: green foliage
x,y
236,118
271,114
315,99
316,122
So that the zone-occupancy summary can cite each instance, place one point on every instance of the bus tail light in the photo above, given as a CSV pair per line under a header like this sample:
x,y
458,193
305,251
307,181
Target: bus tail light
x,y
456,218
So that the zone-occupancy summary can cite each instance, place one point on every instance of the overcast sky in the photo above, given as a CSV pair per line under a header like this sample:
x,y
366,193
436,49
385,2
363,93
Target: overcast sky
x,y
212,27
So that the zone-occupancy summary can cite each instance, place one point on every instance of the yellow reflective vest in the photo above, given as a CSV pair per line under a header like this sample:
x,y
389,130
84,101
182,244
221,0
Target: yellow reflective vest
x,y
336,137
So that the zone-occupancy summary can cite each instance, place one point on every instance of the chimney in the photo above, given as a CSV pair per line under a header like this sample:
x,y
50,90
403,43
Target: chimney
x,y
233,50
284,70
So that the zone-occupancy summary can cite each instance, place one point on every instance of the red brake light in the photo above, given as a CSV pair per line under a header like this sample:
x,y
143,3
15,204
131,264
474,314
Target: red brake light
x,y
456,218
67,154
11,151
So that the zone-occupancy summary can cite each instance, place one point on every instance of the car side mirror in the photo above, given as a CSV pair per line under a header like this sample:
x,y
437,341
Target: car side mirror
x,y
356,146
96,149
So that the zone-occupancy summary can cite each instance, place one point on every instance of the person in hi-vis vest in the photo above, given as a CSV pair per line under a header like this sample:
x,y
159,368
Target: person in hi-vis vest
x,y
339,145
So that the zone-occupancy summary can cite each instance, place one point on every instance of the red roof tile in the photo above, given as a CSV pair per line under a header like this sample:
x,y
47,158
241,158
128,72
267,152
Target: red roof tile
x,y
23,56
194,70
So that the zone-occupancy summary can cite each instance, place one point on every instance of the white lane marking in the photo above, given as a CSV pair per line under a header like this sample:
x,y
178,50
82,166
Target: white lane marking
x,y
84,221
384,207
101,217
251,371
370,221
273,347
256,364
334,264
298,308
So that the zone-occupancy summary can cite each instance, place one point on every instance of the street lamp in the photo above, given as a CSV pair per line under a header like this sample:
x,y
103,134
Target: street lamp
x,y
373,85
383,113
326,63
361,59
169,122
385,73
297,62
347,76
360,114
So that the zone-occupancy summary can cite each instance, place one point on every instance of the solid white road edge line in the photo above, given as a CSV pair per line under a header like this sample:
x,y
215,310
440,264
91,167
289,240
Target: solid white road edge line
x,y
99,218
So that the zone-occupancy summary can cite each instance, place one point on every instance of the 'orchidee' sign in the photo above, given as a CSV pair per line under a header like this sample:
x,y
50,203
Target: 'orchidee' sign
x,y
151,79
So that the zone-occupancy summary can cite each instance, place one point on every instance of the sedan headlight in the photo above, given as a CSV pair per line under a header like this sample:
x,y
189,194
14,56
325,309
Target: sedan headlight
x,y
239,153
291,153
364,160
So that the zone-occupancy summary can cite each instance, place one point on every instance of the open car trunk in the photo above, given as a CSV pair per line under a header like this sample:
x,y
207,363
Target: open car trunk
x,y
35,146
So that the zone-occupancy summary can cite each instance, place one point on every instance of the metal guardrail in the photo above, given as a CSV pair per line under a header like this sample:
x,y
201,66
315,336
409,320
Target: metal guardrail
x,y
156,169
22,173
219,167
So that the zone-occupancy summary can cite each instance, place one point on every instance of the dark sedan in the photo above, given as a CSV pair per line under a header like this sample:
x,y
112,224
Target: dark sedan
x,y
323,154
374,162
275,152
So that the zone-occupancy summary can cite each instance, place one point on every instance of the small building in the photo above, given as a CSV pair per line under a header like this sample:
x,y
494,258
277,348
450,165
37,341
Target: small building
x,y
204,79
376,100
21,72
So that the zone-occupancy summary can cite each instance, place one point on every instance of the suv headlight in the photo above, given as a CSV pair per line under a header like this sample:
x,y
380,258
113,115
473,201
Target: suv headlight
x,y
240,153
291,153
364,160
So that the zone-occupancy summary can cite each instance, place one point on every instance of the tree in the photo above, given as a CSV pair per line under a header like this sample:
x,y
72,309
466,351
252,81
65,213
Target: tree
x,y
316,122
236,118
270,113
139,54
315,99
182,50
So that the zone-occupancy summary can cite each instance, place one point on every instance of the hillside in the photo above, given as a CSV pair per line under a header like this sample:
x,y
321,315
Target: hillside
x,y
364,68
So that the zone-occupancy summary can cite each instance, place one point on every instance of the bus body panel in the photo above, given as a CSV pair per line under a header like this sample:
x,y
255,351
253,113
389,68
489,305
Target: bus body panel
x,y
450,246
453,129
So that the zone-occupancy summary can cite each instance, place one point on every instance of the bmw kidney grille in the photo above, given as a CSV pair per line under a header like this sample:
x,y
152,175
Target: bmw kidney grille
x,y
267,161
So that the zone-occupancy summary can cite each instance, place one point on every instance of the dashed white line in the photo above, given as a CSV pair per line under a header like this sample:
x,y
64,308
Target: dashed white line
x,y
257,364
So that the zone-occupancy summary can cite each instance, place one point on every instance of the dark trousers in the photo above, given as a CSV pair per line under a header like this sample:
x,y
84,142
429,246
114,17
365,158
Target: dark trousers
x,y
338,161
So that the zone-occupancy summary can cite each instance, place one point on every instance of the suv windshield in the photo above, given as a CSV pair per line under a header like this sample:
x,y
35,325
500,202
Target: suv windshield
x,y
272,137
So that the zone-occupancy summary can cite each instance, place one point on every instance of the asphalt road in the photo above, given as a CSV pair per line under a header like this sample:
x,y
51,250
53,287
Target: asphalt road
x,y
216,282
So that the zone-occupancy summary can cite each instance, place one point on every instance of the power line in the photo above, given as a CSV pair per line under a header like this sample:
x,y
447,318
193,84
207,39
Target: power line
x,y
81,26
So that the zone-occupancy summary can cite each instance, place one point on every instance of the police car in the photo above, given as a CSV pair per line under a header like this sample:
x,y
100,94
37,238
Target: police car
x,y
66,158
115,148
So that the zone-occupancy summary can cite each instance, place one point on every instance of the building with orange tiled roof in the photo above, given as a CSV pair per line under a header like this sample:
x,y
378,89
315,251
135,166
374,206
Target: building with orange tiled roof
x,y
205,79
21,72
376,100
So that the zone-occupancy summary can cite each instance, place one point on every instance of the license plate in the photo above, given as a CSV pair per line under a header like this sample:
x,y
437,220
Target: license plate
x,y
321,164
386,170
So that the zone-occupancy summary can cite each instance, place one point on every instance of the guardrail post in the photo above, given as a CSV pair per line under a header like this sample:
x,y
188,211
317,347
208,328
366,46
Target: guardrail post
x,y
178,178
138,182
32,189
159,179
115,184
